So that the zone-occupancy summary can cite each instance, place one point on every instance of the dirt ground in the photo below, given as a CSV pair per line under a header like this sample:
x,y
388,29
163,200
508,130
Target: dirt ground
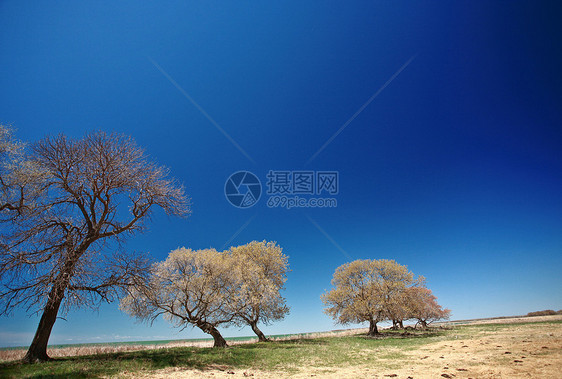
x,y
521,351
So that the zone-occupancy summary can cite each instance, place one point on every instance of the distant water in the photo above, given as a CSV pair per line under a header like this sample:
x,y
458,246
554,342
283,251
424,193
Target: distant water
x,y
155,342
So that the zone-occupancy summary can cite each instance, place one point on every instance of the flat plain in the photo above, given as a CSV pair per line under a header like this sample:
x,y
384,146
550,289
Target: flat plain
x,y
528,347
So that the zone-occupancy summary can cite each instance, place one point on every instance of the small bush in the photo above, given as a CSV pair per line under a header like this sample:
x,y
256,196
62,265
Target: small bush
x,y
548,312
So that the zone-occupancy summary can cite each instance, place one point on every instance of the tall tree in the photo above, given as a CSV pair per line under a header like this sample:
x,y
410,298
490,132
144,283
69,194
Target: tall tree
x,y
261,271
62,247
363,290
189,288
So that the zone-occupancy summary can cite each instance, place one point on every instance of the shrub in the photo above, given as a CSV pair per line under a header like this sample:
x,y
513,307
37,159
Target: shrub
x,y
548,312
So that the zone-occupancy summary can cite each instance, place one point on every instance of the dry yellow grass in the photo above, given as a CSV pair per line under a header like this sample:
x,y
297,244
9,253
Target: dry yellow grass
x,y
15,354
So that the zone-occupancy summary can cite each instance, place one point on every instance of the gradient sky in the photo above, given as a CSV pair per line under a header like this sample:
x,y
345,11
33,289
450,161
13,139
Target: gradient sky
x,y
454,169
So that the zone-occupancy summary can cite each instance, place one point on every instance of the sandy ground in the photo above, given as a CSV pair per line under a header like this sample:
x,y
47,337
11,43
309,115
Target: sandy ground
x,y
522,351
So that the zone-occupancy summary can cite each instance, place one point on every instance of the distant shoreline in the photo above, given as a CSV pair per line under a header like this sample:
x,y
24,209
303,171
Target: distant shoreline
x,y
198,341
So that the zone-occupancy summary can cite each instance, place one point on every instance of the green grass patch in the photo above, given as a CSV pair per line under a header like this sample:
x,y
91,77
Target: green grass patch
x,y
278,355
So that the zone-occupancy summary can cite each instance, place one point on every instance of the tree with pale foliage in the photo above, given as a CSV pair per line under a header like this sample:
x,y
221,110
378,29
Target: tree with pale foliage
x,y
424,307
261,271
20,179
398,309
10,153
363,291
208,289
67,207
190,288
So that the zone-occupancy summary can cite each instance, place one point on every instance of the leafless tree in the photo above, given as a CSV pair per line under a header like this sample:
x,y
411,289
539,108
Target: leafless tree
x,y
77,201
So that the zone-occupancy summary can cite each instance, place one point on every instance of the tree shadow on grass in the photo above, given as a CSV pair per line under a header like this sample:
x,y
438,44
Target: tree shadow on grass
x,y
91,366
299,341
402,335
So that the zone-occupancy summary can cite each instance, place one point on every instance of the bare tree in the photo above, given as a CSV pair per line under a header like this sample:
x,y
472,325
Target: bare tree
x,y
63,248
261,271
189,288
364,291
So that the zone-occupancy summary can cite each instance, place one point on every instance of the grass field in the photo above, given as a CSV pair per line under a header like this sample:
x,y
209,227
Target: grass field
x,y
508,349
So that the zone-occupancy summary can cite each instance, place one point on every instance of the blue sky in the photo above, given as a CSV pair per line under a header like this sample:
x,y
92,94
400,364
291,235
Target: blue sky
x,y
454,169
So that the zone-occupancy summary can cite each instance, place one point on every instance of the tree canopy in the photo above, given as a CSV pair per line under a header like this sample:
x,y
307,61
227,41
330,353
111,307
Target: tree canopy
x,y
424,308
261,271
208,289
373,291
191,287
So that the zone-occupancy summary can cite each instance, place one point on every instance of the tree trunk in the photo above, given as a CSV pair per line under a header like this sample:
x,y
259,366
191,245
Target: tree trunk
x,y
259,333
422,324
373,330
219,340
37,351
401,324
210,329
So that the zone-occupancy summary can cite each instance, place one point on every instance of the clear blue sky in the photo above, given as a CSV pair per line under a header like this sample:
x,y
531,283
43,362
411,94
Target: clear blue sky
x,y
454,169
